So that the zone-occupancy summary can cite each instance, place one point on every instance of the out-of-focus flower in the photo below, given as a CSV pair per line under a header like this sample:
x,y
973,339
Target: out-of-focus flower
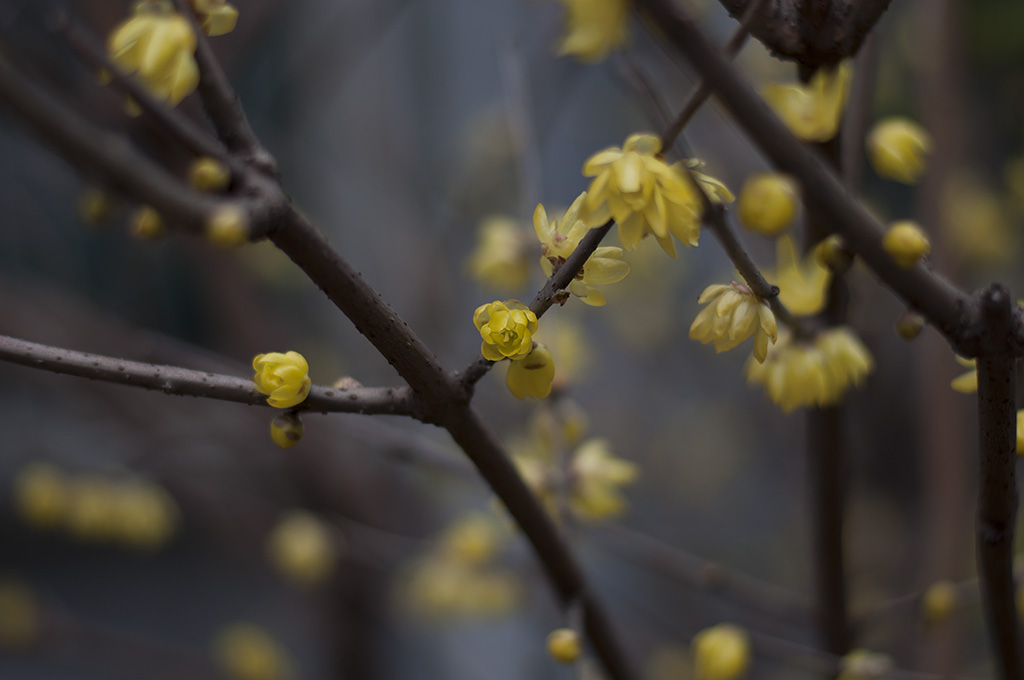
x,y
92,509
596,477
507,329
228,227
863,664
833,254
302,548
216,17
41,495
146,516
209,174
473,539
721,652
146,223
594,28
286,430
564,645
897,148
975,222
19,615
157,45
906,243
1020,432
966,383
95,206
499,260
532,375
939,601
768,202
813,111
284,378
732,315
803,285
247,652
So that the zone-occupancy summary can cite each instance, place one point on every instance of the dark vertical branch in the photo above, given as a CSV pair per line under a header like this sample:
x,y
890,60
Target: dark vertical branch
x,y
997,495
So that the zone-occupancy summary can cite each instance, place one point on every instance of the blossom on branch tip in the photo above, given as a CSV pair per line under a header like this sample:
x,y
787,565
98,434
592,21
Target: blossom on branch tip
x,y
813,111
532,375
732,315
906,243
228,227
594,28
721,652
897,148
768,203
507,329
157,45
802,284
284,378
636,187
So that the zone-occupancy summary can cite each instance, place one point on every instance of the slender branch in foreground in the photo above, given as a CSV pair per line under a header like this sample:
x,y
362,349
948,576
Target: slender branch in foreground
x,y
997,495
186,382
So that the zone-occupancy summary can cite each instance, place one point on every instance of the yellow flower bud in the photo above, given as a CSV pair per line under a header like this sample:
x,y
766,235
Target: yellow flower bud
x,y
41,495
532,375
19,615
833,253
158,46
209,174
768,203
721,652
906,243
897,148
594,28
909,325
287,429
216,17
302,547
247,652
228,227
507,329
564,645
939,602
95,206
284,378
146,224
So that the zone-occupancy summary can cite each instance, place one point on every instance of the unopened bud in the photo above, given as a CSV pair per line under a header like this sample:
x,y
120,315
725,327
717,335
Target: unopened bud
x,y
909,325
833,254
564,645
897,148
95,206
146,224
209,174
906,243
939,602
286,429
228,227
768,203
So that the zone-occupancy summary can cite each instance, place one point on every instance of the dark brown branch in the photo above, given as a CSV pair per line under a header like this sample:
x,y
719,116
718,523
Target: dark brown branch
x,y
190,383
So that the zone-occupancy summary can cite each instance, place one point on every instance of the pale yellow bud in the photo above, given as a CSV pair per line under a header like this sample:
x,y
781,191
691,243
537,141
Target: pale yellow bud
x,y
906,243
939,601
897,148
209,174
721,652
768,203
228,227
564,645
833,254
146,224
909,325
287,429
247,652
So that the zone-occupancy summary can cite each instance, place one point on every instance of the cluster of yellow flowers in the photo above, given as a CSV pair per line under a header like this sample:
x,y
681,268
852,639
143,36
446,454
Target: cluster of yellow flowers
x,y
818,372
134,512
303,548
245,651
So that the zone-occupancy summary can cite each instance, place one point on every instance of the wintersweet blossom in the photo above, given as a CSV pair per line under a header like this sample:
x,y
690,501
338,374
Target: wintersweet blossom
x,y
157,45
802,284
284,378
596,475
594,28
732,315
302,547
559,238
564,645
532,375
1020,432
635,186
897,148
499,260
245,651
768,203
939,601
216,17
906,243
721,652
813,111
863,664
507,329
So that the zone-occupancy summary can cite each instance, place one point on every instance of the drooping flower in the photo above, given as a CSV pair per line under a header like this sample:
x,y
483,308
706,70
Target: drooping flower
x,y
732,315
813,111
158,45
507,329
906,243
594,28
897,148
721,652
802,284
635,186
768,202
559,238
533,374
284,378
499,260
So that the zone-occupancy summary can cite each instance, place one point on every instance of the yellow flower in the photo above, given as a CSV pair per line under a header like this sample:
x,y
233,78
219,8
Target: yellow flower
x,y
847,359
92,513
507,329
41,495
594,28
284,378
227,226
19,615
145,514
721,652
559,238
564,645
768,203
473,539
802,285
286,430
906,243
966,383
499,259
302,547
939,601
733,314
812,112
595,477
533,374
976,222
209,174
863,664
146,223
216,17
157,45
897,148
643,194
248,652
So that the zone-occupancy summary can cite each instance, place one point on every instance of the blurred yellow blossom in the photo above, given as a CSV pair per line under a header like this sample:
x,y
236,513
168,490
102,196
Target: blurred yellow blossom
x,y
228,226
302,547
595,477
813,111
564,645
721,652
507,329
594,28
95,206
863,664
499,260
897,148
284,378
92,509
473,539
158,45
1020,432
975,222
732,315
146,223
247,652
966,383
209,174
803,285
768,203
19,615
939,601
906,243
216,17
146,516
41,495
533,374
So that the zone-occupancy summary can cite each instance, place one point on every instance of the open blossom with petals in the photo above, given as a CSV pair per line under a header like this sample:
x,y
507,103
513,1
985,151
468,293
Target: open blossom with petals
x,y
635,186
802,284
507,329
284,378
721,652
158,45
559,238
594,28
533,374
499,260
897,148
813,111
733,314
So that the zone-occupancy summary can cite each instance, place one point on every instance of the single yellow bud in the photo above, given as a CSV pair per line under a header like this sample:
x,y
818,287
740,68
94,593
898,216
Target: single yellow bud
x,y
906,243
146,515
146,224
833,254
41,495
897,148
939,602
209,174
95,206
286,430
564,645
721,652
228,227
768,203
532,375
909,325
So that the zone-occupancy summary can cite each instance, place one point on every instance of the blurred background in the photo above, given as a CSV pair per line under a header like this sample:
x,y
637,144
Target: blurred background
x,y
143,535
